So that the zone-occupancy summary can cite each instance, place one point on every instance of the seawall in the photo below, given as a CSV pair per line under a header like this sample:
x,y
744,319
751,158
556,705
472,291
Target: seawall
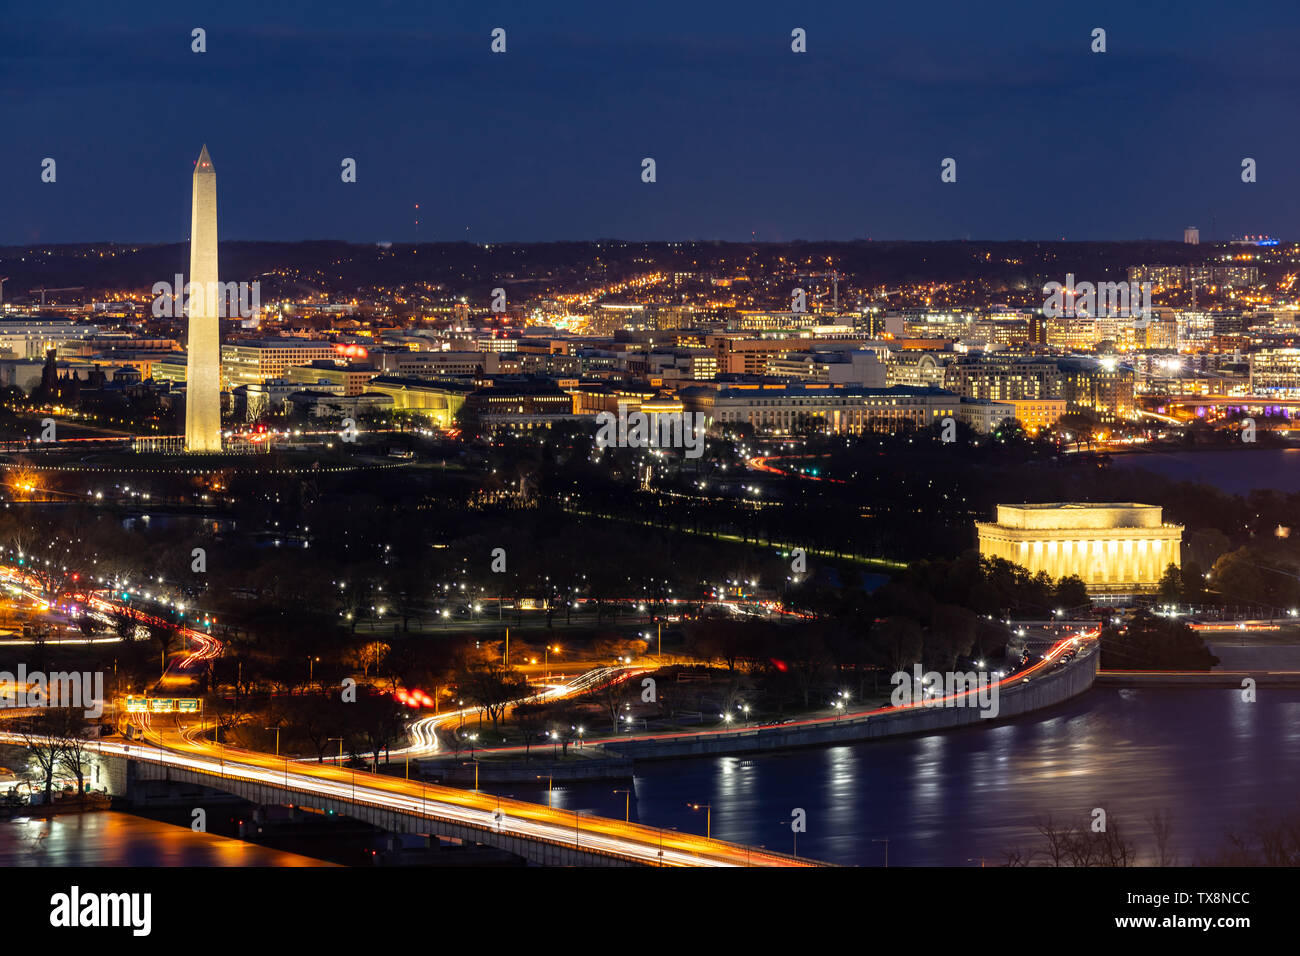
x,y
1014,699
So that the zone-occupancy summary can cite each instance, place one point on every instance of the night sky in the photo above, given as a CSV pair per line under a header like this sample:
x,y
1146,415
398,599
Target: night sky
x,y
545,142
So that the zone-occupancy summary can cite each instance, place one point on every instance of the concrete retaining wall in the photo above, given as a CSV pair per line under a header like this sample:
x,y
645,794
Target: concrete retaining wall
x,y
1014,700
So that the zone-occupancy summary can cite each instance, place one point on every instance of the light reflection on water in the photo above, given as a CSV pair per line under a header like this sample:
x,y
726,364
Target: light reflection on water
x,y
118,839
1204,754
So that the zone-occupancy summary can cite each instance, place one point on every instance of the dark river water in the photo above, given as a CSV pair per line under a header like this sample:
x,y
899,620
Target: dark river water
x,y
1237,471
1208,758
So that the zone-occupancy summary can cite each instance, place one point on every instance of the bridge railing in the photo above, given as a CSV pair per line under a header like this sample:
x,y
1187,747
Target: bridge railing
x,y
537,813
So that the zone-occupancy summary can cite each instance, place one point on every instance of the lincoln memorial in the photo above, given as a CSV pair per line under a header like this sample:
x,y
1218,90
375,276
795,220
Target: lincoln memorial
x,y
1113,547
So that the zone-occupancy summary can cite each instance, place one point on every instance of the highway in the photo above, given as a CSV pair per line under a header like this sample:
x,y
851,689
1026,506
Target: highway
x,y
627,841
182,746
426,739
178,745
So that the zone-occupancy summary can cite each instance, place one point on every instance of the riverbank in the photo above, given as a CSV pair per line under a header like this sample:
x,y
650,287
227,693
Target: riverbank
x,y
1016,697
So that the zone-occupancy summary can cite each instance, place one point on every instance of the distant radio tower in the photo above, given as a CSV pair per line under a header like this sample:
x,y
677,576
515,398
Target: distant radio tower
x,y
417,222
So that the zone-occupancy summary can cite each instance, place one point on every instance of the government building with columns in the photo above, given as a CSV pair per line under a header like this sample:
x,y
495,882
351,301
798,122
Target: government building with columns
x,y
1113,547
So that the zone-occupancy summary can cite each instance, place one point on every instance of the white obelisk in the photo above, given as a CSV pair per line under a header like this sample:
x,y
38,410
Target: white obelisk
x,y
203,364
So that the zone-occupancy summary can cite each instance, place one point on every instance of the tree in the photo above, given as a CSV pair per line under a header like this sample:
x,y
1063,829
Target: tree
x,y
1083,845
712,638
809,658
226,713
1010,430
74,732
368,656
951,635
1170,590
1266,840
124,623
166,634
610,697
380,720
1192,576
1148,641
1261,573
530,719
1071,592
43,748
898,642
87,625
491,686
321,719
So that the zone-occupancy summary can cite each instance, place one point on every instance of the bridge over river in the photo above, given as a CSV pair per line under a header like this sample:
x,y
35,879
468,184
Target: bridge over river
x,y
535,832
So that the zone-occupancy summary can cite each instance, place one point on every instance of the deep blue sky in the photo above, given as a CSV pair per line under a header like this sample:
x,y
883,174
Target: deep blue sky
x,y
545,142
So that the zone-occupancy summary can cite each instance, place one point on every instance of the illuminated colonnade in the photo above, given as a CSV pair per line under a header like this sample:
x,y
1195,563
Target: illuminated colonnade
x,y
1111,546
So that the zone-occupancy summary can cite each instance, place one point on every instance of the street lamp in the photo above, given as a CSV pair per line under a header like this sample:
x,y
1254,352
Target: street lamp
x,y
550,783
842,705
627,805
661,844
886,843
276,728
795,835
708,817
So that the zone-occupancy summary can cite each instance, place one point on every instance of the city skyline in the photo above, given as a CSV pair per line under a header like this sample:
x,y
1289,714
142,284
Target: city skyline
x,y
619,439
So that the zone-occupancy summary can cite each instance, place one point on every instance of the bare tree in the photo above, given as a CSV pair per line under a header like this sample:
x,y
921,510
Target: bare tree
x,y
1080,845
74,735
1162,829
610,697
368,656
492,687
44,745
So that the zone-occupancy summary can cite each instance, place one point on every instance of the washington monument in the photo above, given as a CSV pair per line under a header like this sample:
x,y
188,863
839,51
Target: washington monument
x,y
203,364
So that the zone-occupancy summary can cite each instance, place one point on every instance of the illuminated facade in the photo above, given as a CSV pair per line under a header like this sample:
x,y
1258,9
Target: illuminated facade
x,y
1113,547
436,402
249,362
1038,413
839,409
